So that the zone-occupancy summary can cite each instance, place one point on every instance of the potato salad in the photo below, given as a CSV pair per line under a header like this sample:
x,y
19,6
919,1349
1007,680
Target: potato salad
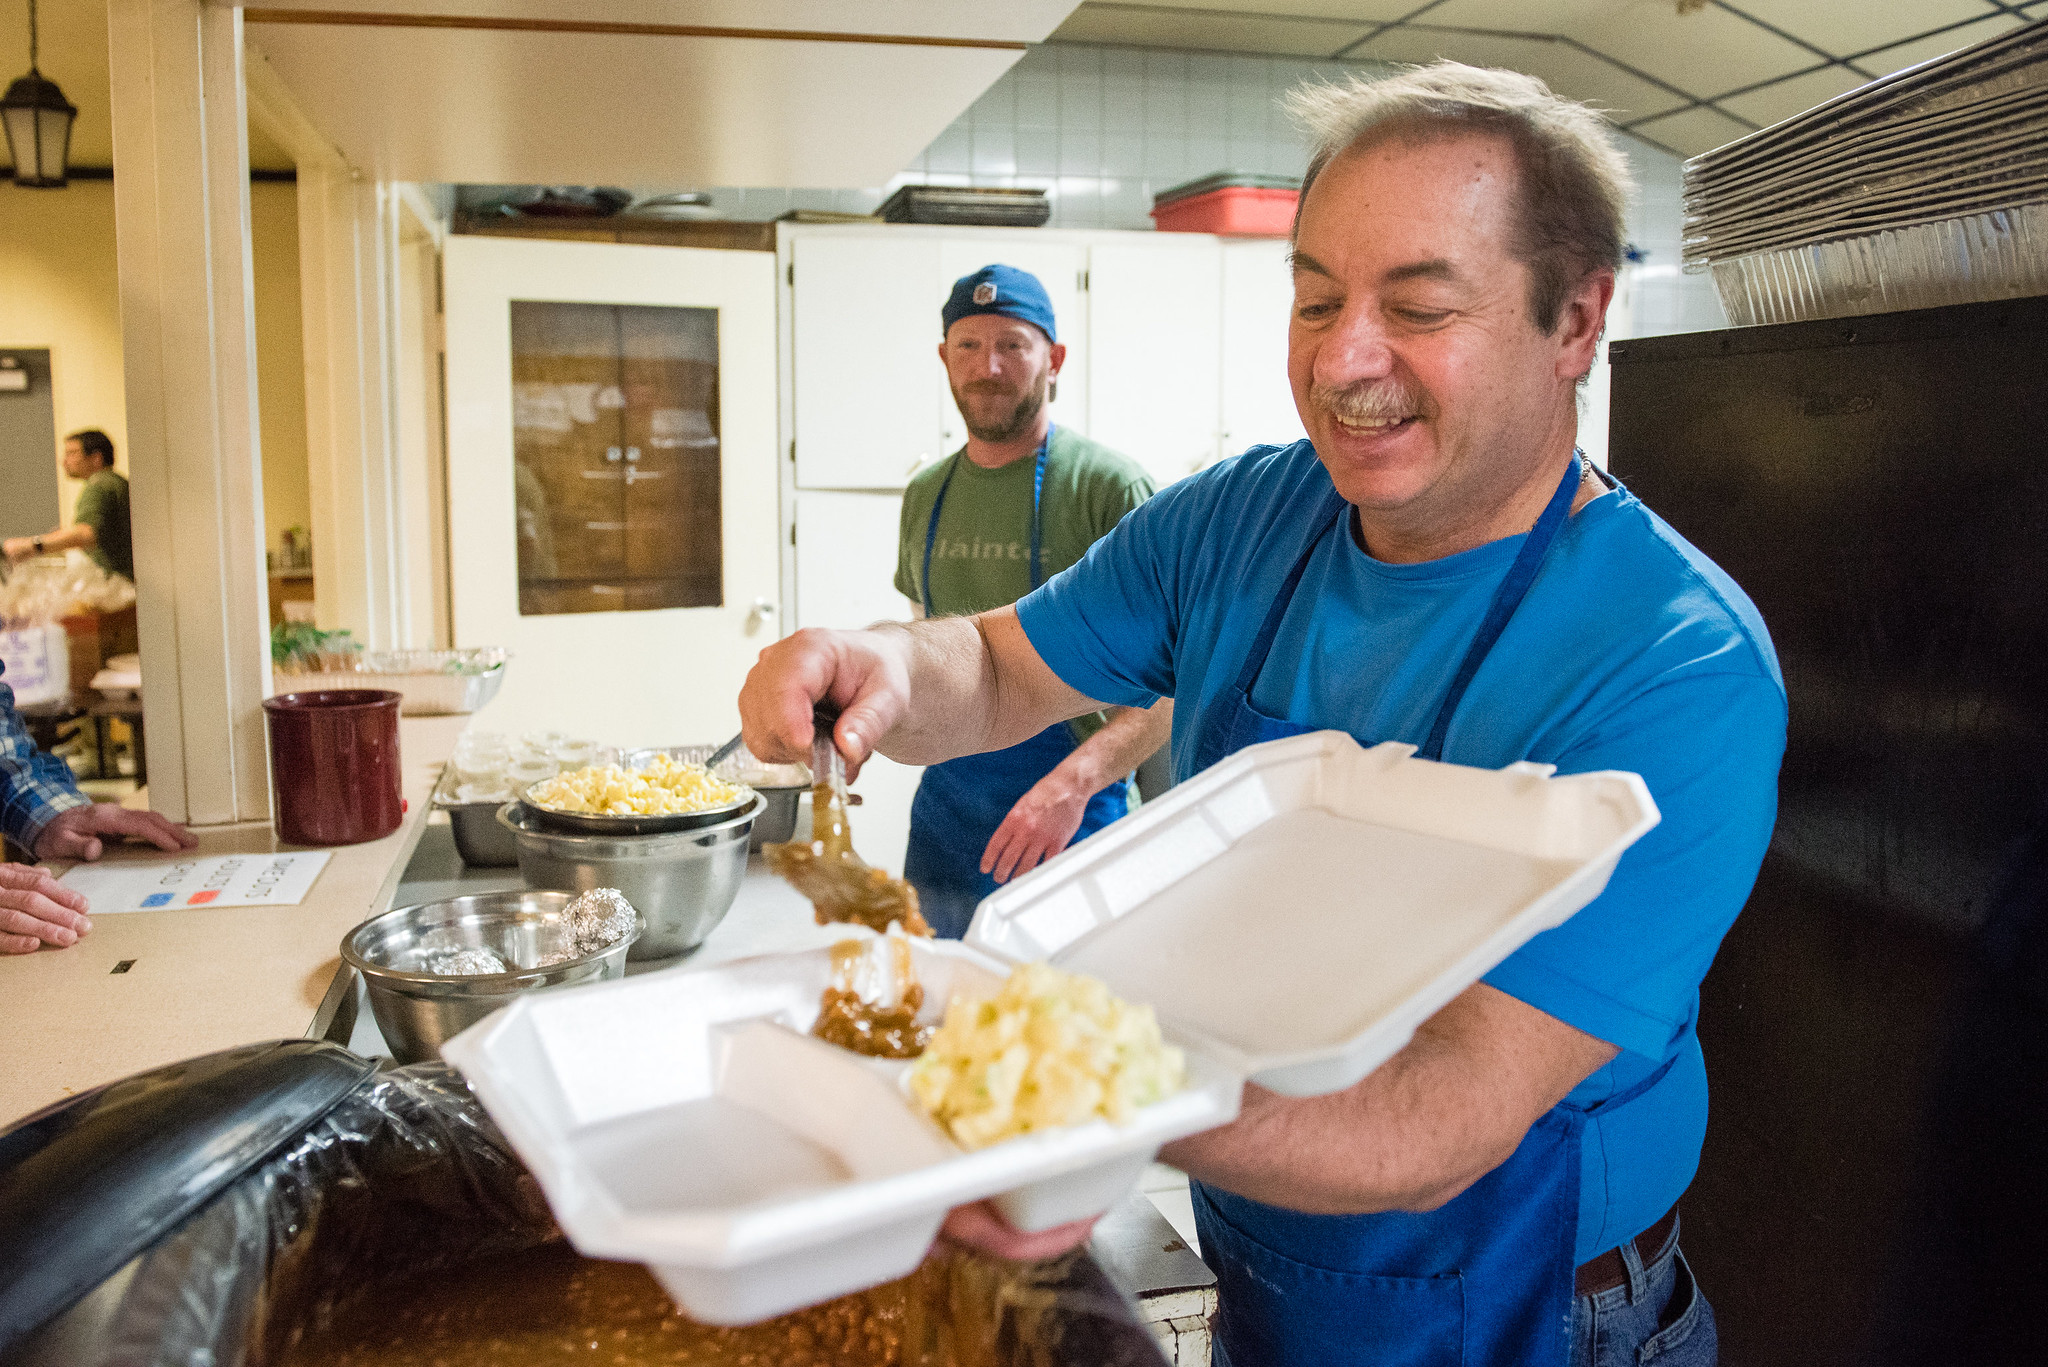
x,y
666,787
1050,1049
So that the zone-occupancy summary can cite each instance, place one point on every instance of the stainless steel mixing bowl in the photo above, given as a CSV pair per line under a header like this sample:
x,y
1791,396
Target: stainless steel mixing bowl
x,y
416,1011
682,883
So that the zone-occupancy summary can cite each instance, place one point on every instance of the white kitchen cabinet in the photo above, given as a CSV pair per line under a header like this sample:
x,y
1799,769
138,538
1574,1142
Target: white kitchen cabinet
x,y
1255,399
870,399
846,558
1155,331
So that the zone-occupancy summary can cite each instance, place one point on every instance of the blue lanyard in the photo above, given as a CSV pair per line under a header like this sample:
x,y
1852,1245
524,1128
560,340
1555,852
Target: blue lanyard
x,y
931,527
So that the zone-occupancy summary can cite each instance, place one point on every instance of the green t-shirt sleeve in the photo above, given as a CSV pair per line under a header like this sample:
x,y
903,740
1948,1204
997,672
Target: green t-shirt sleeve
x,y
906,576
1117,501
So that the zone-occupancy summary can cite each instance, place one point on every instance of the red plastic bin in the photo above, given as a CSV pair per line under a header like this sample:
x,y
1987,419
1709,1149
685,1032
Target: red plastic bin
x,y
1232,210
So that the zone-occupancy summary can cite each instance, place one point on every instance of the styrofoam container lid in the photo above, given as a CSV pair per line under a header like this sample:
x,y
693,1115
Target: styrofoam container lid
x,y
1299,908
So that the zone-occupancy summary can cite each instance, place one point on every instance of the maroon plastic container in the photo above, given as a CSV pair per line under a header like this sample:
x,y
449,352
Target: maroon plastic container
x,y
334,765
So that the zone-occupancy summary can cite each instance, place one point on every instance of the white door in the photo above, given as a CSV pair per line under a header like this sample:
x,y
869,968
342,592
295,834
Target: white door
x,y
612,480
1154,322
1058,266
870,398
1258,297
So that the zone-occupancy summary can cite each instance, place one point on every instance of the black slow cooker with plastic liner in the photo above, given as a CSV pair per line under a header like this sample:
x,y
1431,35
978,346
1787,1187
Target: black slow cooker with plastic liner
x,y
204,1214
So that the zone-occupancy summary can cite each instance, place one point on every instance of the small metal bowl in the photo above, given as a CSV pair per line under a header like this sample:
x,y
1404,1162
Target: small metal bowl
x,y
598,823
782,786
417,1011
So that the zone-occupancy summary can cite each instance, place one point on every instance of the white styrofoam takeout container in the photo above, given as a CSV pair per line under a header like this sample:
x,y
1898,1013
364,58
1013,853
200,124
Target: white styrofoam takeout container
x,y
686,1119
1292,913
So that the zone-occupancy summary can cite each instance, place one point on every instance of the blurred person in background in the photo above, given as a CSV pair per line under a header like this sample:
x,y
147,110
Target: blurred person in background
x,y
101,528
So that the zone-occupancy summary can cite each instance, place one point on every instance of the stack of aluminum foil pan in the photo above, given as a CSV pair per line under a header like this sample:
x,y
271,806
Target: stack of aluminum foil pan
x,y
1924,188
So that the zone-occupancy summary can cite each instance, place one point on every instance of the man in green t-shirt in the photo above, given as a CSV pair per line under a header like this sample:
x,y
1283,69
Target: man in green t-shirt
x,y
1019,503
101,526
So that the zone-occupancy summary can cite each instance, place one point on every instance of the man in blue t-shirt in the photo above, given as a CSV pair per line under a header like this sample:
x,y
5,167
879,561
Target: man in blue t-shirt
x,y
1435,565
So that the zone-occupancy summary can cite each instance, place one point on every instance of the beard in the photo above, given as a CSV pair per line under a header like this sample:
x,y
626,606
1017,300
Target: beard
x,y
1370,401
1010,422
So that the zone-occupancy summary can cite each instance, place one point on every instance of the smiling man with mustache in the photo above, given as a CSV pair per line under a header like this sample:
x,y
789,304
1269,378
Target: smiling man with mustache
x,y
1435,565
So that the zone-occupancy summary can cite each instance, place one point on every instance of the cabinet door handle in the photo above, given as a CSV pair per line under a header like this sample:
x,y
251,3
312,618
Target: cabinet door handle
x,y
611,453
632,453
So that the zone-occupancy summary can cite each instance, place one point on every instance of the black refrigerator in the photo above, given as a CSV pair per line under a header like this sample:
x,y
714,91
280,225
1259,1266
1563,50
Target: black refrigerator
x,y
1874,1188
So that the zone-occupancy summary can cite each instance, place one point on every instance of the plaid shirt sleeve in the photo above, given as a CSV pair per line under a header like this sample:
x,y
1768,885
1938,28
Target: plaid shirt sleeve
x,y
34,787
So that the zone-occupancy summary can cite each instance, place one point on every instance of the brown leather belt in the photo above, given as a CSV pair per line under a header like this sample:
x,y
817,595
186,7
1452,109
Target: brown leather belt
x,y
1608,1271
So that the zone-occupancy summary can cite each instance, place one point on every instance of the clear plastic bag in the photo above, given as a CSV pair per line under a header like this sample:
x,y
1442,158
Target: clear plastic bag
x,y
43,590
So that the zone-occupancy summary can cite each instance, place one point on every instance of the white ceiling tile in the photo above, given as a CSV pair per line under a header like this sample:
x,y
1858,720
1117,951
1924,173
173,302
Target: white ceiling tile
x,y
1161,26
1844,26
1692,132
1706,52
1520,16
1793,96
1361,12
1926,49
1563,67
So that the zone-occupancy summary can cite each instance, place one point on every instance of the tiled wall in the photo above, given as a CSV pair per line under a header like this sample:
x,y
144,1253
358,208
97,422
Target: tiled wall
x,y
1103,129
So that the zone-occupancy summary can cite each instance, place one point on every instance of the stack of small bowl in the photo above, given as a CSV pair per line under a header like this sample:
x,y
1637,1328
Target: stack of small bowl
x,y
489,770
680,870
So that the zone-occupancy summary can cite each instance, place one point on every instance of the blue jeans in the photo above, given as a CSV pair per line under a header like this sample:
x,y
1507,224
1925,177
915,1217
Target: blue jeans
x,y
1660,1316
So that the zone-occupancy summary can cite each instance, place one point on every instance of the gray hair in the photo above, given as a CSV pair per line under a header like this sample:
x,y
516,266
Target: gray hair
x,y
1575,183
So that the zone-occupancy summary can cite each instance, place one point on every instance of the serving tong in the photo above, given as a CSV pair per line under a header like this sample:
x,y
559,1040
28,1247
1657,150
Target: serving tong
x,y
841,886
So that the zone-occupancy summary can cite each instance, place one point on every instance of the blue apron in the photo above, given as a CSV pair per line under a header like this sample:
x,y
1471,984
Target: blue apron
x,y
960,803
1486,1278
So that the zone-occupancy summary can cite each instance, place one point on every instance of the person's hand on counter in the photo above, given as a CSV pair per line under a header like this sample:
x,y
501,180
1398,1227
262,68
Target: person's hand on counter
x,y
76,834
35,910
981,1227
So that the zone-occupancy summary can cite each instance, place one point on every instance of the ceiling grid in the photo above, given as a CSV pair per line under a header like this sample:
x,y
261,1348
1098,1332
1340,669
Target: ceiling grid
x,y
1686,82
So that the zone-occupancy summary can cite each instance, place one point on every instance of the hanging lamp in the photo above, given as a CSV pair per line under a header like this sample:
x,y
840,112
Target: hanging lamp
x,y
38,121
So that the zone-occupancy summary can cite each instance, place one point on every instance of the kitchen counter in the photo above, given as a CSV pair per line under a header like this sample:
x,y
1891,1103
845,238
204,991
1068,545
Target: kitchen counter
x,y
149,988
197,981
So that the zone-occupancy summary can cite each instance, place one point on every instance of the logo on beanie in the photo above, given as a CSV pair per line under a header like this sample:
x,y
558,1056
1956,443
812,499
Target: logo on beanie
x,y
985,292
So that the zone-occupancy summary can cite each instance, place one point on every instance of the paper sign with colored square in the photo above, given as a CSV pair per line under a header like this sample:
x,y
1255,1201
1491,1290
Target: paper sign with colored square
x,y
222,880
